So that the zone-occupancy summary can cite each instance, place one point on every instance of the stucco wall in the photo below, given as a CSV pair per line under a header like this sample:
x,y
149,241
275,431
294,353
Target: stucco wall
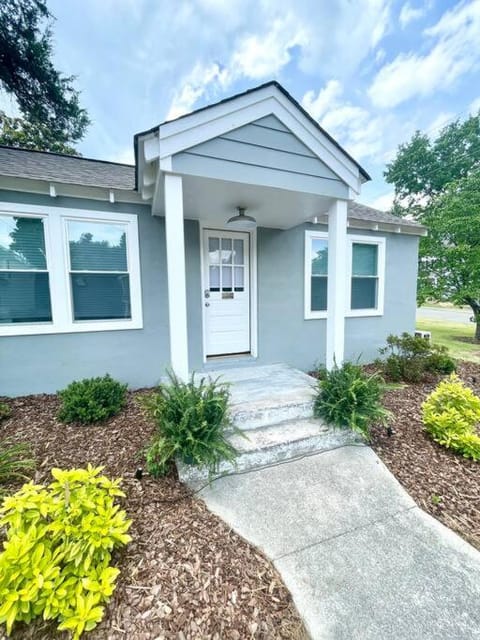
x,y
46,363
284,335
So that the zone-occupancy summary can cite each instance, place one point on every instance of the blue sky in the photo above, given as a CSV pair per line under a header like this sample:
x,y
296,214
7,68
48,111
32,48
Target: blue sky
x,y
371,71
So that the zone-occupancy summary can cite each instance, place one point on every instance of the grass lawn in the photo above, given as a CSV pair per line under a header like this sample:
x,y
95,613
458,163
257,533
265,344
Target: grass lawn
x,y
455,336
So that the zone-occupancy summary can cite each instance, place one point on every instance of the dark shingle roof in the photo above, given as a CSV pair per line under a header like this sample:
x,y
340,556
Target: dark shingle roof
x,y
363,212
56,167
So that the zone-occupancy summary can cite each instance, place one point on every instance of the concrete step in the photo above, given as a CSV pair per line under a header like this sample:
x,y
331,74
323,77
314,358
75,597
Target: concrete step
x,y
264,413
263,446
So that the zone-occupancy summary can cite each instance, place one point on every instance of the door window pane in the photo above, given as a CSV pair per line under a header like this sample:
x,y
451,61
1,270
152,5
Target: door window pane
x,y
214,274
24,297
239,274
226,278
226,250
100,296
97,246
214,250
238,257
364,293
364,259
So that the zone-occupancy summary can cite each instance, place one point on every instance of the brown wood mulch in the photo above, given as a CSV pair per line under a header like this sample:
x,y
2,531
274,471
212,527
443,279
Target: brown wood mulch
x,y
185,574
441,482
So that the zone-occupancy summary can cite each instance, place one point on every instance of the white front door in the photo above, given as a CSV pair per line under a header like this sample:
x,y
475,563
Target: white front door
x,y
226,297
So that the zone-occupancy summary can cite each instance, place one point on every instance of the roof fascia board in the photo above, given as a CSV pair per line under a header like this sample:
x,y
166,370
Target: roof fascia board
x,y
42,187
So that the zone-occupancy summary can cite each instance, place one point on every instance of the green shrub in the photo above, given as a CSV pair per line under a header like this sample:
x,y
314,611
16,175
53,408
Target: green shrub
x,y
16,461
191,420
57,553
92,400
5,411
349,397
409,358
451,415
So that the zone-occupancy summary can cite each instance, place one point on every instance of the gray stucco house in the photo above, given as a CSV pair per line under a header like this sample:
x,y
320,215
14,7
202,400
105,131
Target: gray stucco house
x,y
212,248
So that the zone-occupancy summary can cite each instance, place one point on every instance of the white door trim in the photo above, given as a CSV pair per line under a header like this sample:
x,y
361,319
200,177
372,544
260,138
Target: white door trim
x,y
204,226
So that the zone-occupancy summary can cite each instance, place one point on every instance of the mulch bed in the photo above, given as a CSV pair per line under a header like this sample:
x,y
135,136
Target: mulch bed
x,y
441,482
185,574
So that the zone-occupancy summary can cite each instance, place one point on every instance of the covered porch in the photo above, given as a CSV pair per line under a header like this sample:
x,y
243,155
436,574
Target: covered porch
x,y
261,154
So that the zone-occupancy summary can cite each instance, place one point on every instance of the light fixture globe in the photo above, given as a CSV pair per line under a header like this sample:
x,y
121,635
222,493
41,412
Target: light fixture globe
x,y
242,221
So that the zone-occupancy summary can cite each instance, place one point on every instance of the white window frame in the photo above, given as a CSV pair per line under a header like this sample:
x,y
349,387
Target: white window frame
x,y
380,242
309,236
58,262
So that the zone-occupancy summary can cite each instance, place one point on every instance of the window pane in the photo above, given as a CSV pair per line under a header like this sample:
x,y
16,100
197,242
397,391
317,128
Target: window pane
x,y
238,251
22,243
364,293
364,259
319,257
24,297
319,293
100,296
227,250
239,273
96,246
226,278
214,278
214,250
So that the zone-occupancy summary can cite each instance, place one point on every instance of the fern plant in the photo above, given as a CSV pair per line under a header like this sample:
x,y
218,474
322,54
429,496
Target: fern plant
x,y
349,397
16,461
191,420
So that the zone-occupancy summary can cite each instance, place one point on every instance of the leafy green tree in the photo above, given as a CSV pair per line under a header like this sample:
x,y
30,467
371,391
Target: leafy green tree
x,y
438,183
450,255
424,167
52,119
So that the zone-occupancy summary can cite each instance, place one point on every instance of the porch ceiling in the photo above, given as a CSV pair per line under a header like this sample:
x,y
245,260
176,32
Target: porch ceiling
x,y
214,201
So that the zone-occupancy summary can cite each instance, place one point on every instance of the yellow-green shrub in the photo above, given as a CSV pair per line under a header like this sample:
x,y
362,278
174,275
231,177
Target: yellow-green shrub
x,y
451,415
57,553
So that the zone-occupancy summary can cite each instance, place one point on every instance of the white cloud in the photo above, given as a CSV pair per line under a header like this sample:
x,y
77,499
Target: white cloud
x,y
361,132
454,53
474,107
383,202
408,13
257,41
440,121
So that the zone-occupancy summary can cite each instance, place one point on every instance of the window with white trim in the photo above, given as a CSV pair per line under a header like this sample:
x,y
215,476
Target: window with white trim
x,y
66,270
365,286
24,281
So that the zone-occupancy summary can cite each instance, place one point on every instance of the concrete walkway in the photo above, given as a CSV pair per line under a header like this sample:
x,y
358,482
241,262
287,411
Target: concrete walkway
x,y
361,560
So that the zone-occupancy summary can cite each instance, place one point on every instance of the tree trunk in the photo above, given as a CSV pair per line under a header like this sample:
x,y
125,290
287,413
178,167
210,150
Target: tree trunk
x,y
475,306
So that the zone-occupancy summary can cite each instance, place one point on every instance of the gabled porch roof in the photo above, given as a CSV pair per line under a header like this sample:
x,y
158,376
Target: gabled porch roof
x,y
228,141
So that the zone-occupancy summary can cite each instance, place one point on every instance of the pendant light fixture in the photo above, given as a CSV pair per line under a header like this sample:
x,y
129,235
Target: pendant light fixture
x,y
242,221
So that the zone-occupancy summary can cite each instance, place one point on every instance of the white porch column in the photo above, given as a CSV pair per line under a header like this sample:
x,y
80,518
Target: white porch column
x,y
177,293
337,284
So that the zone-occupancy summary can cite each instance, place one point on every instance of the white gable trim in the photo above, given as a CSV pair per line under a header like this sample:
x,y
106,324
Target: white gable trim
x,y
193,129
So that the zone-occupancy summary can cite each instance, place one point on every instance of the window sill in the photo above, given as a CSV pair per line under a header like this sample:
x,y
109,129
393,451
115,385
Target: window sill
x,y
357,313
364,313
80,327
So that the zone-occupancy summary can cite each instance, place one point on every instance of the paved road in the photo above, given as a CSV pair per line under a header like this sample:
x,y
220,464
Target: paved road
x,y
360,558
448,315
